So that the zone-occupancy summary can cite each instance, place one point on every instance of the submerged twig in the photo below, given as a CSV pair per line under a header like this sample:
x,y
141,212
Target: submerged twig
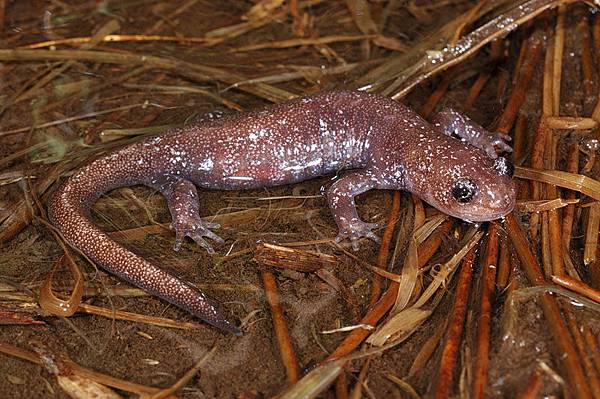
x,y
284,341
577,286
444,383
301,42
295,259
119,38
488,277
384,248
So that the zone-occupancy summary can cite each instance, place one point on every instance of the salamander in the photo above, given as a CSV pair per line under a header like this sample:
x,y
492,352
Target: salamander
x,y
378,142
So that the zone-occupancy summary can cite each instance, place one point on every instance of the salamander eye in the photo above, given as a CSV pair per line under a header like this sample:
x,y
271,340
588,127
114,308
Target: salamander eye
x,y
504,166
464,190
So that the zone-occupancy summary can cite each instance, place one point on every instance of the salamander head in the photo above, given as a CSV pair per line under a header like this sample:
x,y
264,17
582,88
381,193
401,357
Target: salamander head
x,y
469,185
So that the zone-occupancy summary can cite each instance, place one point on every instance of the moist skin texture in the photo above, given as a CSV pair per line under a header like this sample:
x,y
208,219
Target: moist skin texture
x,y
382,144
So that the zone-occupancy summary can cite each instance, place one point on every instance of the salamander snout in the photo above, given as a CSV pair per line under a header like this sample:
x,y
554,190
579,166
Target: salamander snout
x,y
469,185
488,197
486,193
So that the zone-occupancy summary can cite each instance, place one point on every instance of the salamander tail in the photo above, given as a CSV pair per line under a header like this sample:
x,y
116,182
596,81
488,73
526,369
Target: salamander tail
x,y
68,210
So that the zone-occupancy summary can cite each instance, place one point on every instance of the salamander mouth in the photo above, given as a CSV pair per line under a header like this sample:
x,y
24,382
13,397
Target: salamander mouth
x,y
486,218
487,215
484,215
492,206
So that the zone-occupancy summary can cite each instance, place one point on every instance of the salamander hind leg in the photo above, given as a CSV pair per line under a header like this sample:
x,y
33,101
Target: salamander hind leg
x,y
182,199
340,197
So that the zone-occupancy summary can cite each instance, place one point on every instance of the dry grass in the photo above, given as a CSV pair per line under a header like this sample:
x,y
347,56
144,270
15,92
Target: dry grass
x,y
152,68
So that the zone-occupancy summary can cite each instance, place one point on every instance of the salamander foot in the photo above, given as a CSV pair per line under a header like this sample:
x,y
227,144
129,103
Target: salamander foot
x,y
195,228
357,230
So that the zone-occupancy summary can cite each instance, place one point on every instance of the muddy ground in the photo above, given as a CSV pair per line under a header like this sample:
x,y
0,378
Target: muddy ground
x,y
247,366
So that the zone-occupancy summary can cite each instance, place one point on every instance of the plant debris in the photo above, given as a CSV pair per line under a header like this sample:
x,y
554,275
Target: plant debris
x,y
439,308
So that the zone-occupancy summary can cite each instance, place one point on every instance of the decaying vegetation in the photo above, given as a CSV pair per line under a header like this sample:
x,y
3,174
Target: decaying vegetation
x,y
440,308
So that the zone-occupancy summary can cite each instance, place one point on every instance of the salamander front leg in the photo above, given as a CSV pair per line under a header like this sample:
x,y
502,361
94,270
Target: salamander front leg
x,y
182,198
340,197
449,122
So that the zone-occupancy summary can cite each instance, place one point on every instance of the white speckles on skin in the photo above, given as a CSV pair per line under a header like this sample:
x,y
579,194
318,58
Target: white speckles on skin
x,y
206,165
323,126
385,144
314,162
302,166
